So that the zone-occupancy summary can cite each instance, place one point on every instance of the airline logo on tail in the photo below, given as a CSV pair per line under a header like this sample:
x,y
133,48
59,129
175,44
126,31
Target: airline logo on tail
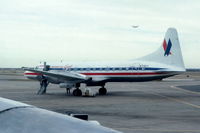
x,y
167,47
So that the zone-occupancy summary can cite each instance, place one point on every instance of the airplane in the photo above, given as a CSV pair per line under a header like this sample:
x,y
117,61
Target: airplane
x,y
135,26
166,61
17,117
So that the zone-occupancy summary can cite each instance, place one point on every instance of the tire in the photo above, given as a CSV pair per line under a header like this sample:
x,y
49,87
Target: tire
x,y
102,91
77,92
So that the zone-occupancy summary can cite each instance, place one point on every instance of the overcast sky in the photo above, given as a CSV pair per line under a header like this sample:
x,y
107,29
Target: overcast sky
x,y
85,30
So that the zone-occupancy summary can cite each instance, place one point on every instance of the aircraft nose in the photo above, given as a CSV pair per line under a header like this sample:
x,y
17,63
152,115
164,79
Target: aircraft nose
x,y
31,75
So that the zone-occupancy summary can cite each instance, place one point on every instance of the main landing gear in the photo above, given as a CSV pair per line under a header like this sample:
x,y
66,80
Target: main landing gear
x,y
77,92
43,86
102,91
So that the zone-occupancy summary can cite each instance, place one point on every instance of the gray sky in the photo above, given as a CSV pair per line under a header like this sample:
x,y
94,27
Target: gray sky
x,y
85,30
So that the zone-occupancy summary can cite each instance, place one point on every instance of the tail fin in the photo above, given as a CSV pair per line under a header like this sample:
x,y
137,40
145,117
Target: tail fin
x,y
169,53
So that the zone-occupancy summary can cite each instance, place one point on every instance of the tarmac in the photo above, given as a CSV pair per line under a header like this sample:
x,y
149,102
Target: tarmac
x,y
168,106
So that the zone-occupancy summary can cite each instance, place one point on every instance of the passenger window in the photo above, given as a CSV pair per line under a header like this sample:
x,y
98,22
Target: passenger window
x,y
123,68
117,68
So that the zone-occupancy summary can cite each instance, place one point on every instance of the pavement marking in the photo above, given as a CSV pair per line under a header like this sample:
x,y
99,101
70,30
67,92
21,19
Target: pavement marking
x,y
178,79
160,130
177,100
178,88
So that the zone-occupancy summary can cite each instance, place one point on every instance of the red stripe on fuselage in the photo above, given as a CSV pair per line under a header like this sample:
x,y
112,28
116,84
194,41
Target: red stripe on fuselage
x,y
120,74
32,74
147,73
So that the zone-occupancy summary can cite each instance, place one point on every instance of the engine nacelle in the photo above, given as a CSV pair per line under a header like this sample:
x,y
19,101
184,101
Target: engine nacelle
x,y
66,85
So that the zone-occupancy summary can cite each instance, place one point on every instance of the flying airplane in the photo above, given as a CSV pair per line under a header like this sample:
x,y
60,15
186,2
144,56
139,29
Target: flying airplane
x,y
17,117
135,26
165,62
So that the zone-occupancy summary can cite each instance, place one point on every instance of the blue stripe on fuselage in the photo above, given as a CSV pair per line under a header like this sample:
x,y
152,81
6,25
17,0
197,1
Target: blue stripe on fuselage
x,y
108,69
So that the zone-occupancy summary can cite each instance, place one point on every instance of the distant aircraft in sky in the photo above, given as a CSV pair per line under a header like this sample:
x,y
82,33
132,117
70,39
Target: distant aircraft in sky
x,y
17,117
135,26
165,62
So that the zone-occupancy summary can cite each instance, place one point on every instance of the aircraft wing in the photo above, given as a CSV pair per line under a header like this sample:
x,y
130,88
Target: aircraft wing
x,y
17,117
70,76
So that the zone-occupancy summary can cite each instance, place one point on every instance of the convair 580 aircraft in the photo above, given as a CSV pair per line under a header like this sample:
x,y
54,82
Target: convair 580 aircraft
x,y
165,62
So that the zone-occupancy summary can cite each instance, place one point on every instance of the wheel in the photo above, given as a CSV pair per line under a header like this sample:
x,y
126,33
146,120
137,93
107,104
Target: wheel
x,y
102,91
77,92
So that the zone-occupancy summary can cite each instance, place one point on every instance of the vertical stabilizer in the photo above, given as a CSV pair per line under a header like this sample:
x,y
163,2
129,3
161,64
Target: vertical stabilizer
x,y
169,53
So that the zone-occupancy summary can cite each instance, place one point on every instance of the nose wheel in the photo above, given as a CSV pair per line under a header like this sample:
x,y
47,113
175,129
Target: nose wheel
x,y
102,91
